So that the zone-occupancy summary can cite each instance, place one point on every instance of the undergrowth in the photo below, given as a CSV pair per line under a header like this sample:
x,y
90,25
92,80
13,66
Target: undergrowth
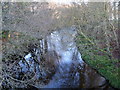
x,y
100,60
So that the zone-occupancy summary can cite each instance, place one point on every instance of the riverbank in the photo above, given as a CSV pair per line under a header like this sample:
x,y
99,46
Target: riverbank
x,y
100,60
16,45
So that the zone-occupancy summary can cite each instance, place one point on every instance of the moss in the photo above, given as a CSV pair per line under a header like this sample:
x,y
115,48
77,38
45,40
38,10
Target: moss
x,y
4,34
105,67
103,63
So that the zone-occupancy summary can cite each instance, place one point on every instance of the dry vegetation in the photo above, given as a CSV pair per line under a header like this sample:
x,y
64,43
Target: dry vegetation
x,y
97,37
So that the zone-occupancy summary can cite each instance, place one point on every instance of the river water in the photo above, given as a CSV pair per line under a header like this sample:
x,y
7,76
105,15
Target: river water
x,y
57,63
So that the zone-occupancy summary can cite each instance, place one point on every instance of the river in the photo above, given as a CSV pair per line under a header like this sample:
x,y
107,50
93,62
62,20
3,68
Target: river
x,y
56,63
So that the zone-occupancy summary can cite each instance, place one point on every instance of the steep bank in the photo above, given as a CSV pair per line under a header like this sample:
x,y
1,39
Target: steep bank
x,y
99,59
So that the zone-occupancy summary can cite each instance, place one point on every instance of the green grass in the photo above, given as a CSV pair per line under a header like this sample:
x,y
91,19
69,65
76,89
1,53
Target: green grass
x,y
104,64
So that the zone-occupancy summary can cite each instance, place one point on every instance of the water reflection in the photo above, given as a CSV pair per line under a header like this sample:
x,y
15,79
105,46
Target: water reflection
x,y
58,63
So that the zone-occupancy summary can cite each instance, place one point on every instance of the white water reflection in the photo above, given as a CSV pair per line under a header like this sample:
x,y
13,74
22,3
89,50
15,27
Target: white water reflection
x,y
64,65
62,43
